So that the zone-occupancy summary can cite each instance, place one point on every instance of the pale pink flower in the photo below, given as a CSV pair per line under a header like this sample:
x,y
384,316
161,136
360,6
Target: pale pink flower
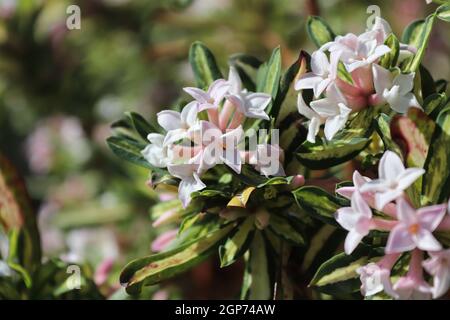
x,y
413,286
357,51
369,197
250,104
331,111
396,91
177,124
322,75
190,180
392,180
376,277
211,98
355,219
218,147
157,153
415,228
438,265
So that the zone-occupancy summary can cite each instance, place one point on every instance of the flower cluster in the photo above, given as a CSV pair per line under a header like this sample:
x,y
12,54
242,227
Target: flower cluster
x,y
351,78
410,231
208,131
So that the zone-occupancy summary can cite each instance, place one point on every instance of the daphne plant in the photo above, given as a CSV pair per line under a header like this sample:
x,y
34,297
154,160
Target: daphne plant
x,y
231,164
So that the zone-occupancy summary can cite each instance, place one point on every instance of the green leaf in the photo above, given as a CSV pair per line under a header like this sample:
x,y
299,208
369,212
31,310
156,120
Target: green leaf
x,y
247,66
427,84
321,156
319,31
443,12
413,131
268,79
156,268
436,180
142,127
338,274
256,283
389,60
129,150
422,44
299,66
282,227
203,65
384,131
347,144
441,85
238,243
433,104
411,34
317,203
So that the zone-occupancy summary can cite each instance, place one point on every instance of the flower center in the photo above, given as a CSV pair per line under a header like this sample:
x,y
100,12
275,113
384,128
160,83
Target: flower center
x,y
211,100
414,228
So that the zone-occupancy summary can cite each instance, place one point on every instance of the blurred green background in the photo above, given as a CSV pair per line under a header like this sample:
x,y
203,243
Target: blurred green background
x,y
60,90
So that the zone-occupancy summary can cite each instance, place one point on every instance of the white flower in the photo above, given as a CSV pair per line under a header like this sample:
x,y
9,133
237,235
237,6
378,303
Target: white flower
x,y
218,147
414,228
375,279
323,73
190,180
332,111
211,98
438,265
357,51
355,219
157,153
178,124
392,180
315,120
395,91
252,105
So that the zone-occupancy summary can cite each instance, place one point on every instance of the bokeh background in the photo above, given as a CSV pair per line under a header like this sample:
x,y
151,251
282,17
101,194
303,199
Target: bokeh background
x,y
61,89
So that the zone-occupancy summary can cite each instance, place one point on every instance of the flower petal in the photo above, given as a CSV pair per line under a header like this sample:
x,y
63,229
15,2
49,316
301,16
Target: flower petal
x,y
351,241
169,120
308,81
218,89
303,109
406,213
198,94
426,241
382,79
407,177
405,82
234,81
430,217
189,114
390,166
399,240
347,218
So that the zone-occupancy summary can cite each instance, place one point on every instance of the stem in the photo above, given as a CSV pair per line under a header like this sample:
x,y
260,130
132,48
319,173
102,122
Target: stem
x,y
225,114
388,261
415,265
384,225
238,118
213,116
